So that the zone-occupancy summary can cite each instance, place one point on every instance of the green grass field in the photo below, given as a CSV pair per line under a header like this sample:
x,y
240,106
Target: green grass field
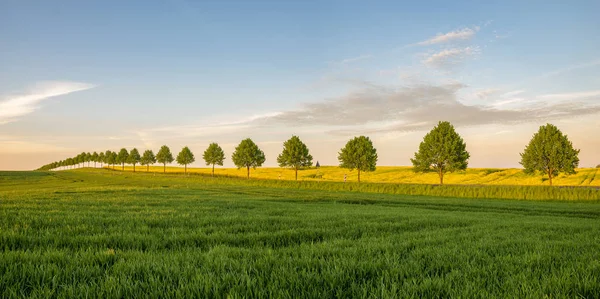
x,y
106,234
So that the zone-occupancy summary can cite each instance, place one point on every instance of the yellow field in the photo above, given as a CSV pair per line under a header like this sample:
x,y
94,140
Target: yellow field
x,y
395,174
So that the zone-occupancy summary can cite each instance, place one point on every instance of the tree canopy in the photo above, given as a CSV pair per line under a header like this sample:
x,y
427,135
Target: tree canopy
x,y
148,159
214,155
442,150
134,157
122,157
247,154
295,154
550,152
164,156
185,157
358,154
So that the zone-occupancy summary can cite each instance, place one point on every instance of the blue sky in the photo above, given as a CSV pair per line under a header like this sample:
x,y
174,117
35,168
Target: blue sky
x,y
95,75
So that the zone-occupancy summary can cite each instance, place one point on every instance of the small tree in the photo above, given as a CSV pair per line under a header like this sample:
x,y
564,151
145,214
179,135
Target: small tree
x,y
442,150
318,165
164,156
358,154
214,155
148,159
134,157
113,156
95,158
101,159
185,157
122,157
247,154
550,152
110,158
295,154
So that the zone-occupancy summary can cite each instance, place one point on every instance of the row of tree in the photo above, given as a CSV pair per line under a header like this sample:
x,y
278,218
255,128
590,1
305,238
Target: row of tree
x,y
442,150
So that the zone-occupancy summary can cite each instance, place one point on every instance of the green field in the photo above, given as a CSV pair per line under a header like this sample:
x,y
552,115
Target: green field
x,y
106,234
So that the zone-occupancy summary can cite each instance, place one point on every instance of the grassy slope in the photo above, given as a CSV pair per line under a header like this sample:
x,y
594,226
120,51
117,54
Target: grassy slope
x,y
405,175
105,234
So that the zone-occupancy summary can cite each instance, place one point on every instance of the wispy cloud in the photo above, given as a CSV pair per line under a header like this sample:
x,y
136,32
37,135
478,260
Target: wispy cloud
x,y
456,35
450,57
570,68
355,59
14,106
485,93
571,95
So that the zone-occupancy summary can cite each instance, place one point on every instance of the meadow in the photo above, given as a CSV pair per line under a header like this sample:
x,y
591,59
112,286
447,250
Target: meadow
x,y
106,234
401,175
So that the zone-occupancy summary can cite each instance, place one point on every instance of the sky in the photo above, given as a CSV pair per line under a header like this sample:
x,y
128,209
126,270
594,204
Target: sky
x,y
101,75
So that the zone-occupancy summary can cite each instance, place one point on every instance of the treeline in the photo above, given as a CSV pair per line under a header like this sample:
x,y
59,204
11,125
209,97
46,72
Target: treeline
x,y
442,151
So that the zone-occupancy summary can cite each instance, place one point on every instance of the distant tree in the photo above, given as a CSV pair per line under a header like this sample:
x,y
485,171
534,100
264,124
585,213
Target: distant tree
x,y
317,165
95,158
442,150
88,158
148,159
358,154
214,155
108,158
598,166
101,159
134,157
113,157
247,154
550,152
185,157
295,154
164,156
122,157
81,159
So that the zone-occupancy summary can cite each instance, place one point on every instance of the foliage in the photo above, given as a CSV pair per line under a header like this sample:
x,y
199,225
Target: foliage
x,y
442,150
164,156
122,157
148,159
358,154
214,155
185,157
134,157
247,154
550,152
295,154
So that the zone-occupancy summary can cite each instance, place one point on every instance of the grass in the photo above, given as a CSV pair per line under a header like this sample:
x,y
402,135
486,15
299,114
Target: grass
x,y
588,177
109,234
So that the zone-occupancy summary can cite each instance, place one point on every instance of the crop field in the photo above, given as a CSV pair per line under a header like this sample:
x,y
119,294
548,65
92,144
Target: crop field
x,y
403,175
105,234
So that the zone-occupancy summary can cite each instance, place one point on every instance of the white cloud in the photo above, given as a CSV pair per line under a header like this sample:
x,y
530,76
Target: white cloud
x,y
571,95
485,93
450,57
513,93
354,59
570,68
16,106
461,34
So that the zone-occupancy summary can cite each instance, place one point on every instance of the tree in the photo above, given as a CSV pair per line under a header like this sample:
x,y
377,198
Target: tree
x,y
95,157
164,156
442,150
247,154
295,154
317,165
358,154
109,158
214,155
550,152
134,157
88,158
122,157
185,157
113,157
101,159
148,159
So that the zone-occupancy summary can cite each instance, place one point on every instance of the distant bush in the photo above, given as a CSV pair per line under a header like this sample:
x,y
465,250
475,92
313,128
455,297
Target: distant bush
x,y
598,166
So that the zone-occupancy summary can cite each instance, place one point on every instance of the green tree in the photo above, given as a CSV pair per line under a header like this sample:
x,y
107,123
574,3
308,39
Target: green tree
x,y
442,150
247,154
214,155
95,158
101,159
164,156
113,157
134,157
550,152
295,154
358,154
148,159
185,157
81,159
88,158
122,157
108,158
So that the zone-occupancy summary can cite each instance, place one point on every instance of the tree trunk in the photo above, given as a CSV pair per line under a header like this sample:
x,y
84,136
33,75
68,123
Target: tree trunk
x,y
184,168
94,164
550,176
164,167
296,173
147,167
123,169
213,172
248,169
359,175
441,173
133,167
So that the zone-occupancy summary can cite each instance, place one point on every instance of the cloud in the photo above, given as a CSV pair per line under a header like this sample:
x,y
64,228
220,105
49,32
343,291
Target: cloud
x,y
571,95
450,57
16,106
570,68
485,93
456,35
354,59
513,93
